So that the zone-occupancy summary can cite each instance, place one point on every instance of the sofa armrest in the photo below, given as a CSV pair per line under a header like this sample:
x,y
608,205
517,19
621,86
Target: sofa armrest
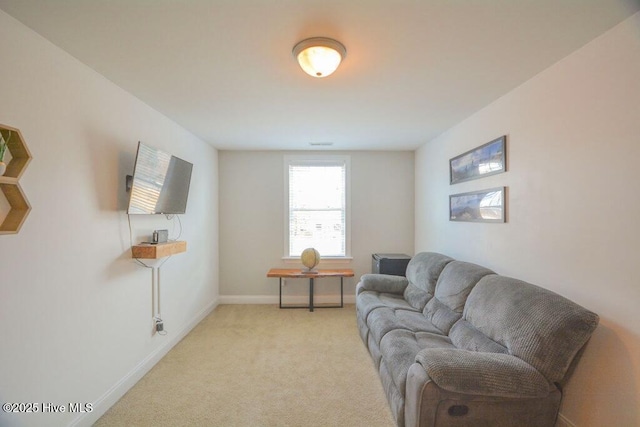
x,y
382,283
486,374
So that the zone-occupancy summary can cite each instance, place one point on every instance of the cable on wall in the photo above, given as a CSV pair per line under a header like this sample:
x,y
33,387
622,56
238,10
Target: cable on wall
x,y
155,276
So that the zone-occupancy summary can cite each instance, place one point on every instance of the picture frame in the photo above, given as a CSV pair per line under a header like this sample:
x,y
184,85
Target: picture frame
x,y
478,206
485,160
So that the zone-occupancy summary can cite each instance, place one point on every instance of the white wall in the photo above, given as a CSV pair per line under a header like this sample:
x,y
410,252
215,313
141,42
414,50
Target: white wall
x,y
573,206
75,310
252,220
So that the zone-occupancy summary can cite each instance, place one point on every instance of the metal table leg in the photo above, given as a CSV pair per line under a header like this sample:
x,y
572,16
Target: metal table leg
x,y
311,305
311,294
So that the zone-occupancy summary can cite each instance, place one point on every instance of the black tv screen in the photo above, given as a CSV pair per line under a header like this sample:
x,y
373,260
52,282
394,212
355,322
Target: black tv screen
x,y
160,183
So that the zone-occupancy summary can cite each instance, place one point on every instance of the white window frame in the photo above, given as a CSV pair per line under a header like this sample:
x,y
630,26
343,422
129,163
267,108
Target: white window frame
x,y
318,160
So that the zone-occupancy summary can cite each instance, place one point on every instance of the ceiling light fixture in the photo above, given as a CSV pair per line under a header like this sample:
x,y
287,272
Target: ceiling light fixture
x,y
319,56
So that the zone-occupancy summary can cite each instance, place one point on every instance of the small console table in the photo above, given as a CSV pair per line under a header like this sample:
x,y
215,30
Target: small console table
x,y
296,273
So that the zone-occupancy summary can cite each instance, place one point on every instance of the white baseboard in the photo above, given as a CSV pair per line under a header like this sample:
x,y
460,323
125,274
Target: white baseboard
x,y
108,399
248,299
286,299
564,422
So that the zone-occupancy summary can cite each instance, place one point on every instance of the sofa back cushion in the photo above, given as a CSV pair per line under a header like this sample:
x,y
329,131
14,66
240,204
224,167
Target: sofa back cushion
x,y
452,289
422,272
465,337
540,327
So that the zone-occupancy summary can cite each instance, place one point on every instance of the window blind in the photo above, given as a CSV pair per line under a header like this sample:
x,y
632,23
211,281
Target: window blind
x,y
317,207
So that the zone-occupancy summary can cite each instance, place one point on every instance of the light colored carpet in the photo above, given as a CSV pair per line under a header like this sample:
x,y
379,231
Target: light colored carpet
x,y
258,365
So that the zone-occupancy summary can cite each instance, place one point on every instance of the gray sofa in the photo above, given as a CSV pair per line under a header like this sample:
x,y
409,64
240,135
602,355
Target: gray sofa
x,y
457,345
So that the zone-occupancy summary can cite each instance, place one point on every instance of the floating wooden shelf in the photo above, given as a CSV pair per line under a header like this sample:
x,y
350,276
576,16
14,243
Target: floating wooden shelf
x,y
160,250
20,158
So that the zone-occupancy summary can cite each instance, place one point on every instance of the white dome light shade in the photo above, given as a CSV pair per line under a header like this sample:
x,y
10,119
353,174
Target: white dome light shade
x,y
319,61
319,56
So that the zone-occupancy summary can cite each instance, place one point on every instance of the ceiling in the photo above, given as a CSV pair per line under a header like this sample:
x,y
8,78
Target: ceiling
x,y
223,69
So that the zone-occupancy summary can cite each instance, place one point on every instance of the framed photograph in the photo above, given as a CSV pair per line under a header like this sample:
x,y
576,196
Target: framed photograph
x,y
488,159
478,206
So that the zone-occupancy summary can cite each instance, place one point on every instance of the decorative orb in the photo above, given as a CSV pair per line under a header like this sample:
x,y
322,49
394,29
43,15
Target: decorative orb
x,y
310,258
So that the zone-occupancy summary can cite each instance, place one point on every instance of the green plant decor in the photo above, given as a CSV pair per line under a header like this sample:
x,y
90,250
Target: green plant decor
x,y
3,146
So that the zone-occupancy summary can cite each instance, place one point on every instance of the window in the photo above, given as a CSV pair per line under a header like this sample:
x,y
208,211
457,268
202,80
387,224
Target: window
x,y
317,214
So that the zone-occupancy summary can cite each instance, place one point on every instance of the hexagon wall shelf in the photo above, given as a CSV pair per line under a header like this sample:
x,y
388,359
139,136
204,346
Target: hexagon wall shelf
x,y
20,158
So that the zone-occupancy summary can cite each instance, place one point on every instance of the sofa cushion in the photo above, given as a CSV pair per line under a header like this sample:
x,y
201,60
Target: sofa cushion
x,y
453,287
540,327
400,347
440,315
363,329
422,272
383,320
374,351
368,301
464,336
394,397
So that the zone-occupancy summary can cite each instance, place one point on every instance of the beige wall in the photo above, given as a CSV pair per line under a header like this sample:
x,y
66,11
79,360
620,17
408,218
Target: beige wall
x,y
573,207
252,219
75,310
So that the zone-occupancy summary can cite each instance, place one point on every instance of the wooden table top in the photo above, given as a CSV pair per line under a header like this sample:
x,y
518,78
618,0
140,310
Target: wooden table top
x,y
297,272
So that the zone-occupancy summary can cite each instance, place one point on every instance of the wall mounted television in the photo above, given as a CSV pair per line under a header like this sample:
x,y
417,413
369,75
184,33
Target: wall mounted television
x,y
160,183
